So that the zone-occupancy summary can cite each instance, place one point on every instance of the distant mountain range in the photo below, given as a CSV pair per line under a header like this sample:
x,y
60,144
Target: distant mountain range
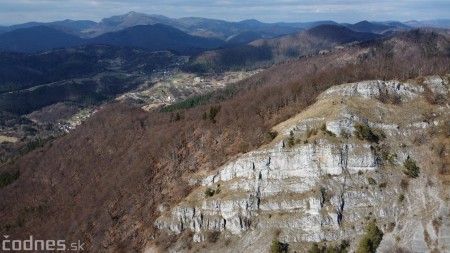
x,y
69,26
151,37
436,23
156,37
156,32
268,51
203,26
195,26
37,38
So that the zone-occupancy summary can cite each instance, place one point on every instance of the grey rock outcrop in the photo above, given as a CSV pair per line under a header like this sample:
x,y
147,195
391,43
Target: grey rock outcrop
x,y
327,186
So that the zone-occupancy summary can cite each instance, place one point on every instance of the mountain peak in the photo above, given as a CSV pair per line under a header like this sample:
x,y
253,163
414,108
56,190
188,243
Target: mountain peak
x,y
364,22
370,27
251,21
339,34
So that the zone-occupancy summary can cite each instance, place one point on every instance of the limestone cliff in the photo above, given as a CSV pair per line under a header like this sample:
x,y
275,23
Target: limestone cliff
x,y
317,181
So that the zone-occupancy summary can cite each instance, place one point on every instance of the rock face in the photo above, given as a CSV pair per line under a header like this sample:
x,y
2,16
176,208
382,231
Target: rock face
x,y
316,181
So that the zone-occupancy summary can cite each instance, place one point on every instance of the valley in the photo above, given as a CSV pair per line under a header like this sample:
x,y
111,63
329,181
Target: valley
x,y
59,81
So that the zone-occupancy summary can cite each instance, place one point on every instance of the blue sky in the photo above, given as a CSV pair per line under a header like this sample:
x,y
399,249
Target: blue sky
x,y
20,11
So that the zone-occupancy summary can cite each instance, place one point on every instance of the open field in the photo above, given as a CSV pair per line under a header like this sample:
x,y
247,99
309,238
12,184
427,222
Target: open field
x,y
7,139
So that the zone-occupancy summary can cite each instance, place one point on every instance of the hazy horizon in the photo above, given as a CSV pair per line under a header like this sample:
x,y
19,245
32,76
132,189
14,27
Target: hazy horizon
x,y
346,11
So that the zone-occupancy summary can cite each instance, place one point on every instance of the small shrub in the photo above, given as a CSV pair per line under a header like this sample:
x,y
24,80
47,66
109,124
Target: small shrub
x,y
315,249
19,221
9,227
379,133
411,169
218,189
278,247
371,181
390,158
382,185
213,236
323,192
401,197
7,178
209,192
341,248
404,184
291,141
213,111
363,132
360,172
371,240
177,117
272,135
388,98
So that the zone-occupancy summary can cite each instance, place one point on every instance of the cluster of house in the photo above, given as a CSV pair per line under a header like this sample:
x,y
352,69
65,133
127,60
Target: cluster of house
x,y
70,125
